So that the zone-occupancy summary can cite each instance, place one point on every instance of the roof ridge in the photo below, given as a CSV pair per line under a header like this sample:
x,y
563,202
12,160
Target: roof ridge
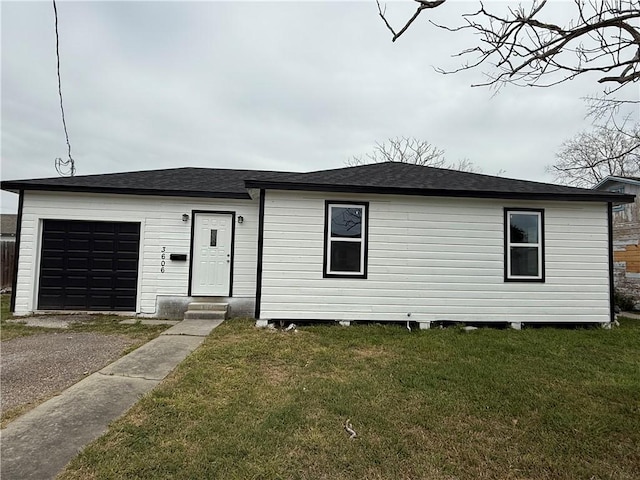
x,y
451,170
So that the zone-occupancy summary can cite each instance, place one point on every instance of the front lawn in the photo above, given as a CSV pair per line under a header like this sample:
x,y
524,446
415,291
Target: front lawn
x,y
440,404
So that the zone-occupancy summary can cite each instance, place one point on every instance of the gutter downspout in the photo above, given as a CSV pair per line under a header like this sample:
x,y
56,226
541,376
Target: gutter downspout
x,y
16,259
260,249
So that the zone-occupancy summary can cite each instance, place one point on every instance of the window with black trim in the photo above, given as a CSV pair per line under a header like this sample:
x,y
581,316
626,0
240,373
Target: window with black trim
x,y
345,249
524,245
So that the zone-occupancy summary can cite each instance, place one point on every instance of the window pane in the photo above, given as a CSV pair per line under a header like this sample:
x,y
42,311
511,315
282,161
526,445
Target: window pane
x,y
345,256
346,222
524,261
524,228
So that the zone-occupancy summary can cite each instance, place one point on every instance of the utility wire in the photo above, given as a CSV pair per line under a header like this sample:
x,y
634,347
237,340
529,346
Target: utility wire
x,y
62,165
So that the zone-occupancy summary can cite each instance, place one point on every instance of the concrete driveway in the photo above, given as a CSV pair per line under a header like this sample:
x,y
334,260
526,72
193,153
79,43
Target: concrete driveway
x,y
41,442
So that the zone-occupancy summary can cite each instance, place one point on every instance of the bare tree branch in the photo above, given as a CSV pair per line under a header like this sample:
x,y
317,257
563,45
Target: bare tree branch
x,y
526,49
423,4
591,156
604,107
410,150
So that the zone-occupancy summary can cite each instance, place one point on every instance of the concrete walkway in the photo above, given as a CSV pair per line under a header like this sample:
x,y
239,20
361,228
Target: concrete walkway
x,y
40,443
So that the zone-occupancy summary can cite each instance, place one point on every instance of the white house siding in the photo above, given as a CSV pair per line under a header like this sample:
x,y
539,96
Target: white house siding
x,y
435,259
161,226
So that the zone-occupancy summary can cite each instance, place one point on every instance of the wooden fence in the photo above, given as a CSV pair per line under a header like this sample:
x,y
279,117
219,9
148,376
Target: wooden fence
x,y
7,259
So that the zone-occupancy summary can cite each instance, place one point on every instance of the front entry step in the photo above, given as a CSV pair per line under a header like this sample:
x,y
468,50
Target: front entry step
x,y
206,311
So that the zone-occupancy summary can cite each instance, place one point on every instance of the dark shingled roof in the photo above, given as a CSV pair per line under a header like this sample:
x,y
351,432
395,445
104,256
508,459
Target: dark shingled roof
x,y
408,179
389,178
186,181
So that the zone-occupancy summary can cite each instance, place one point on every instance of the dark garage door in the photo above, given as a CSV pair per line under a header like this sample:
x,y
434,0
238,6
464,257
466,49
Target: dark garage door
x,y
89,265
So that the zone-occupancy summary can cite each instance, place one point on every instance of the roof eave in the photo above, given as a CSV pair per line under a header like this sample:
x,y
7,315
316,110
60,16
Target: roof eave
x,y
15,187
596,197
612,178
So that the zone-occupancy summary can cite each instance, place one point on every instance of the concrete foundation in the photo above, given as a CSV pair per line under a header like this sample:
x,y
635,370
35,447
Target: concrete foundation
x,y
175,306
424,325
516,325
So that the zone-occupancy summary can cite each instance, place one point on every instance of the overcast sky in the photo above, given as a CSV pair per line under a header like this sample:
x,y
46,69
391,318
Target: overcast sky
x,y
268,85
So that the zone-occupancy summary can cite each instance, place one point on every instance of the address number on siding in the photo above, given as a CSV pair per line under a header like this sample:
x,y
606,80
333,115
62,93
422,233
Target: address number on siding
x,y
163,259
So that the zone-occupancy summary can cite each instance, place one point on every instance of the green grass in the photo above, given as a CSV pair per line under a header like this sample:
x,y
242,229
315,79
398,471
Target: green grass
x,y
9,330
5,304
441,404
5,301
106,324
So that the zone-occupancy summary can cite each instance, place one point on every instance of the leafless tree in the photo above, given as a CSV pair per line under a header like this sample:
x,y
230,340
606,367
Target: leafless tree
x,y
410,150
589,157
525,48
466,165
402,149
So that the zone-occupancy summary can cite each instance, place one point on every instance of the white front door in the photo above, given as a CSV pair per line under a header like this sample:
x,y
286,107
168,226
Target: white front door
x,y
211,268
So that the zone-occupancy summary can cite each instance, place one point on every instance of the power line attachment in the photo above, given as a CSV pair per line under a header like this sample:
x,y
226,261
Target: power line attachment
x,y
63,167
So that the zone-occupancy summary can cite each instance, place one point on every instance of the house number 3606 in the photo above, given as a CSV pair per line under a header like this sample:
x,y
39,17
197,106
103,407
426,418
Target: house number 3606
x,y
163,257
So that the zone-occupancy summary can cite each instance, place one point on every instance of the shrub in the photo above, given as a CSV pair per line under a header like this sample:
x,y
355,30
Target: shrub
x,y
623,301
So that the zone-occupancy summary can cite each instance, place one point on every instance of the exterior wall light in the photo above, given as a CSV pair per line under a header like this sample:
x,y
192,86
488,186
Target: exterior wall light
x,y
185,217
240,219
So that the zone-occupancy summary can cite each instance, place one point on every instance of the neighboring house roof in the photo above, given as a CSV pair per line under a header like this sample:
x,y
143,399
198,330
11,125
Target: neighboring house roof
x,y
389,178
8,223
612,178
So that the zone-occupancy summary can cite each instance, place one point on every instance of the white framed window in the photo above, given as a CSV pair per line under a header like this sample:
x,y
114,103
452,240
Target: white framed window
x,y
524,245
345,246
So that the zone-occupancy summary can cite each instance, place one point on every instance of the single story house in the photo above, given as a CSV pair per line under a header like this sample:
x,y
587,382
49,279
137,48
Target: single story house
x,y
381,242
626,236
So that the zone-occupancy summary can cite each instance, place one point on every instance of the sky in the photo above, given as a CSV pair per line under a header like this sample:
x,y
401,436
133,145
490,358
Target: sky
x,y
295,86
